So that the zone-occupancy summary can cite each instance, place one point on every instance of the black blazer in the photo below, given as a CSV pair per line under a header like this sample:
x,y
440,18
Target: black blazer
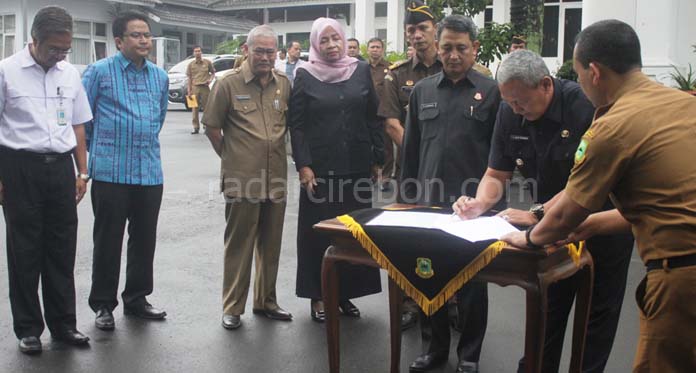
x,y
334,127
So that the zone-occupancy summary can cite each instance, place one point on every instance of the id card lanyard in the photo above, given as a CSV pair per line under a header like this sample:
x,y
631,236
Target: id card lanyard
x,y
60,111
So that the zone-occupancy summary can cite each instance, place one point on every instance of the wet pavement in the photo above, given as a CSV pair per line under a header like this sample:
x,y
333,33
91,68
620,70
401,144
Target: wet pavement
x,y
188,278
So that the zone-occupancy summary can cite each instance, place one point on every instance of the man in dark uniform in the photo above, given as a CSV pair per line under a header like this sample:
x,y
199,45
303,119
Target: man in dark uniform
x,y
445,151
639,152
379,69
420,32
538,129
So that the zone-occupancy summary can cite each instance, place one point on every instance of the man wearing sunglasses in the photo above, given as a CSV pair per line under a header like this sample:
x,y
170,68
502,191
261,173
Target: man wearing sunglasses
x,y
128,95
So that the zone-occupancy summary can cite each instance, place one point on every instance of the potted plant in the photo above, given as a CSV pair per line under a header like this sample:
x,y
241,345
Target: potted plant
x,y
686,81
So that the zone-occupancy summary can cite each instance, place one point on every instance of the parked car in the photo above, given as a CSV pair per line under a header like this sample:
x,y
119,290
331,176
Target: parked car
x,y
178,81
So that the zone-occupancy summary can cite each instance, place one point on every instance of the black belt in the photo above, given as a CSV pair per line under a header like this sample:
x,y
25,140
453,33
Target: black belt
x,y
676,262
41,157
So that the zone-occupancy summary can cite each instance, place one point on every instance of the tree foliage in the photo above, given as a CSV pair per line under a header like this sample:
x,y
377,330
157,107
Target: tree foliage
x,y
468,8
230,46
495,40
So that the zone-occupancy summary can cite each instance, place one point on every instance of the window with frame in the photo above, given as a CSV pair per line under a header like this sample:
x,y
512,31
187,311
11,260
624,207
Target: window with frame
x,y
7,35
380,9
340,11
89,42
207,45
562,23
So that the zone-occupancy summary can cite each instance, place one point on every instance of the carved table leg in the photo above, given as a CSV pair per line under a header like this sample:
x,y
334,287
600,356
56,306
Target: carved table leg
x,y
329,291
395,300
535,328
582,313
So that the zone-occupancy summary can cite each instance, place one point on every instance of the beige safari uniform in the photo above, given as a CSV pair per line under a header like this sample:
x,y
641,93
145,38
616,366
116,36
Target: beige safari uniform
x,y
254,181
639,151
199,73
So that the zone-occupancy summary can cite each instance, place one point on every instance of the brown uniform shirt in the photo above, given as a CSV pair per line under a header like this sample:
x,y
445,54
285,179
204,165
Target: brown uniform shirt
x,y
252,119
199,72
398,87
379,71
639,150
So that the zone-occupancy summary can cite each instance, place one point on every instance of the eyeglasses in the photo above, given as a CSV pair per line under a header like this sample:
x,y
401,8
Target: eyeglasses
x,y
59,52
138,35
267,52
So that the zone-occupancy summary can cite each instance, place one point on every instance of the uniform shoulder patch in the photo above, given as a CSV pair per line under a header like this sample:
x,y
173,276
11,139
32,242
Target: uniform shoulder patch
x,y
398,63
581,152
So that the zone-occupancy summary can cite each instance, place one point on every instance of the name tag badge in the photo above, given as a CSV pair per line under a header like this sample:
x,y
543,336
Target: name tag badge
x,y
60,115
430,105
276,104
242,97
60,111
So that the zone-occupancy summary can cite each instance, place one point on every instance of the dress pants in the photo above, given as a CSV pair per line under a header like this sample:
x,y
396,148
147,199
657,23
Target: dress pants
x,y
41,228
253,227
611,256
114,205
667,309
201,92
472,309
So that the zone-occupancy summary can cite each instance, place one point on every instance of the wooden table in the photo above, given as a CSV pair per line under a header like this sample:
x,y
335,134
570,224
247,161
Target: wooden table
x,y
531,270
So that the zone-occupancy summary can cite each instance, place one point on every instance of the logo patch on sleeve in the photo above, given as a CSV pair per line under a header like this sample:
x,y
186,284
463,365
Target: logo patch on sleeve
x,y
581,152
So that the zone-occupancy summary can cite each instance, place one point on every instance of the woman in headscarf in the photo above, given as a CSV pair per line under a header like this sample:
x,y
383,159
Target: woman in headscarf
x,y
337,146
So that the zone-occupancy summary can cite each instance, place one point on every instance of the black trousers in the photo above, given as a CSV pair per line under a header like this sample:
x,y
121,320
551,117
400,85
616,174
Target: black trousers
x,y
611,256
41,223
113,206
472,310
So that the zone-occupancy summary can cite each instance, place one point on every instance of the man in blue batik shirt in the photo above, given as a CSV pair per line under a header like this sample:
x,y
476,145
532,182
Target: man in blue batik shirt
x,y
128,96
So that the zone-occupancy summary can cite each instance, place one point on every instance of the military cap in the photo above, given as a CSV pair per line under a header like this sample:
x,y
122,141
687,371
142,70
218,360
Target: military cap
x,y
519,39
417,12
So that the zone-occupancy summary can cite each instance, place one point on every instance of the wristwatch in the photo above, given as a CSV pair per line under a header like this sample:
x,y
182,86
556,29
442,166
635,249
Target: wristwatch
x,y
530,244
84,177
538,211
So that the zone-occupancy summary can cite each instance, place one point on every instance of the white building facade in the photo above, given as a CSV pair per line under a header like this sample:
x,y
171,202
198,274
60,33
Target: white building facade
x,y
665,27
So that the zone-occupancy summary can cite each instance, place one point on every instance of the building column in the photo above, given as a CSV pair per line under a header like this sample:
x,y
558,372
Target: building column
x,y
395,25
364,19
657,24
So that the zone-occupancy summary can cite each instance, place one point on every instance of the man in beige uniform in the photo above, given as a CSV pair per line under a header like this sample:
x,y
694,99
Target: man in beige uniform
x,y
200,73
245,122
639,151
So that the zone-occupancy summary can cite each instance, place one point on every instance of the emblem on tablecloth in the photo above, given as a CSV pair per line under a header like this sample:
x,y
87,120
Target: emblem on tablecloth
x,y
424,268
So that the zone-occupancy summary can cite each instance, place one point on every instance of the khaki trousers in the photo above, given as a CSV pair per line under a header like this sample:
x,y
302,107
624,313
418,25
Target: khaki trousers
x,y
201,92
667,304
253,227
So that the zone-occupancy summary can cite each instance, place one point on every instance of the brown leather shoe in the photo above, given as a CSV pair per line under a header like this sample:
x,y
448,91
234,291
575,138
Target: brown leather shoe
x,y
274,314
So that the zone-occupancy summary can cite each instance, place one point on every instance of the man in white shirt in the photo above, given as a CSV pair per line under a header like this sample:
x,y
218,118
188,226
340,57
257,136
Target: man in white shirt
x,y
292,62
43,108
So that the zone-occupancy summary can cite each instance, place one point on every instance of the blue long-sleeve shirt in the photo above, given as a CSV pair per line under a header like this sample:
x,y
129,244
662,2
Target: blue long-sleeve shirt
x,y
129,106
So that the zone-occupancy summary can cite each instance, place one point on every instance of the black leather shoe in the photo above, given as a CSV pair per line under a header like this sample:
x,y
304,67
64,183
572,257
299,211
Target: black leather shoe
x,y
408,320
71,336
318,316
30,345
467,367
194,132
144,310
231,321
348,308
427,362
275,314
104,319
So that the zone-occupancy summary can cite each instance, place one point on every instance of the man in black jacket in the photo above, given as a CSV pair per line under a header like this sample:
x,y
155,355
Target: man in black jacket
x,y
445,150
538,129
